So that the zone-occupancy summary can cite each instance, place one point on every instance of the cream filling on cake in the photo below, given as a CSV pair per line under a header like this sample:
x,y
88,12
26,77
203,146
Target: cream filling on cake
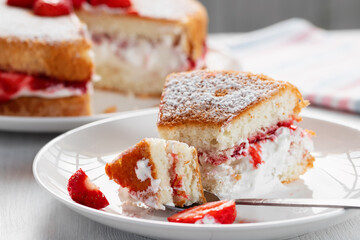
x,y
143,172
153,55
53,92
243,174
15,85
139,64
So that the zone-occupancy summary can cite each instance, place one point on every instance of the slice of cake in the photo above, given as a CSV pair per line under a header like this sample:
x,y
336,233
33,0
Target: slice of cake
x,y
158,172
137,46
46,64
242,126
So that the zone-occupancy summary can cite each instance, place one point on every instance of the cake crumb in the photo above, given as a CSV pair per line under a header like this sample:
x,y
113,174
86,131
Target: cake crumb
x,y
110,109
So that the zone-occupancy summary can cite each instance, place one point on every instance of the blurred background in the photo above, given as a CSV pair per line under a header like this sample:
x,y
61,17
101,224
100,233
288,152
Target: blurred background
x,y
248,15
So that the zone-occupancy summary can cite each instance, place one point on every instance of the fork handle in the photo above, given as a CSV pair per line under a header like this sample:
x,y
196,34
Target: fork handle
x,y
301,202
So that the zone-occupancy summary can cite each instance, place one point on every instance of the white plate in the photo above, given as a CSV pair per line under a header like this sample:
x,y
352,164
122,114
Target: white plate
x,y
218,57
335,175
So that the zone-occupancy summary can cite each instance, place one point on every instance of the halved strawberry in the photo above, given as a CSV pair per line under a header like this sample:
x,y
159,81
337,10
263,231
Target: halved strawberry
x,y
21,3
223,212
77,3
52,8
118,3
83,191
112,3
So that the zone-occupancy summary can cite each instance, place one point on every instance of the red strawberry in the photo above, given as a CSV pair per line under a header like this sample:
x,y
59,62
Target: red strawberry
x,y
77,3
21,3
83,191
223,212
112,3
96,2
52,8
118,3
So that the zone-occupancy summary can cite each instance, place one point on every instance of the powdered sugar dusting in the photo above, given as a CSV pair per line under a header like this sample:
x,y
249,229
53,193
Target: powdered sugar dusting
x,y
166,9
23,24
212,96
158,9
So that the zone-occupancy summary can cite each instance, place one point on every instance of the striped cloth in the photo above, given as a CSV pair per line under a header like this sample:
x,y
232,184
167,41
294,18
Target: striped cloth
x,y
324,65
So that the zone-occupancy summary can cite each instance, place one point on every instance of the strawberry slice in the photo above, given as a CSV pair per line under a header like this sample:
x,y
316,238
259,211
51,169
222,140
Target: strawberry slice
x,y
83,191
21,3
52,8
222,212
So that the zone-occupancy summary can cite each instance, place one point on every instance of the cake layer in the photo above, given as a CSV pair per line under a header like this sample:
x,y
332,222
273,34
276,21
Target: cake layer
x,y
153,19
256,167
184,174
139,65
157,172
42,107
52,46
223,107
135,52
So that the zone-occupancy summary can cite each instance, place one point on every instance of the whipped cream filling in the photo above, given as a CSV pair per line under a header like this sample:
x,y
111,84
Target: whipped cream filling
x,y
243,174
159,56
57,91
143,172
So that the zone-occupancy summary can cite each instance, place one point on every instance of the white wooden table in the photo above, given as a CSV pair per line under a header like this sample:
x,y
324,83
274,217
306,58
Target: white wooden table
x,y
28,212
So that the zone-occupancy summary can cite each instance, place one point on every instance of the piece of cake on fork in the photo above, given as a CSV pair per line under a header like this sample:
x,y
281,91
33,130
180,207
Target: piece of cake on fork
x,y
46,64
158,172
242,126
138,43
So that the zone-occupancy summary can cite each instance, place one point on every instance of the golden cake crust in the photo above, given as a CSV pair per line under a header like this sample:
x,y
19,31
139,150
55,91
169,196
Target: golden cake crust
x,y
56,47
215,98
66,61
122,170
42,107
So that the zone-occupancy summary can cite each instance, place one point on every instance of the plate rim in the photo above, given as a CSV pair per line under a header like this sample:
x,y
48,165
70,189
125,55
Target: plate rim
x,y
244,226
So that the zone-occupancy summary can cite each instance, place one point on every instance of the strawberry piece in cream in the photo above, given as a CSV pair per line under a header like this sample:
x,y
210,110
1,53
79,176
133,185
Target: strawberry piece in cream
x,y
13,85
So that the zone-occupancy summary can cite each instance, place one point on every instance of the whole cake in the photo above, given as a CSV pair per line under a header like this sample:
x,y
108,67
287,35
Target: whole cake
x,y
46,64
158,172
138,43
242,126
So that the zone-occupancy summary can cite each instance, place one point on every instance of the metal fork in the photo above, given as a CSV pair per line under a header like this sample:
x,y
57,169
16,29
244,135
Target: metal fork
x,y
285,202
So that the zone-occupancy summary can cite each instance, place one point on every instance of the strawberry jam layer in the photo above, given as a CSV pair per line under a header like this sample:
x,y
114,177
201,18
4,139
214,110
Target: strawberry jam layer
x,y
251,147
176,181
13,85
